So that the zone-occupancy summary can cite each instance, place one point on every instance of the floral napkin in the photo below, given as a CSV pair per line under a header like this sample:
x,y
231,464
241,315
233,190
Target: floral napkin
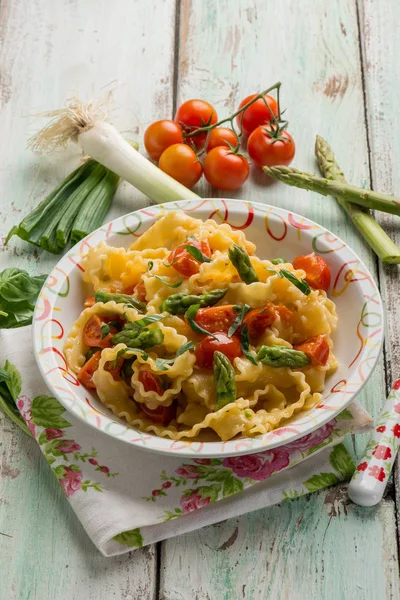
x,y
127,498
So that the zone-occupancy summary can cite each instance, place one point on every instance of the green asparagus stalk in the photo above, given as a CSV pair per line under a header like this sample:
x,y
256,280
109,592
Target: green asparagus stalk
x,y
371,231
241,261
280,356
101,296
339,189
177,304
139,338
224,380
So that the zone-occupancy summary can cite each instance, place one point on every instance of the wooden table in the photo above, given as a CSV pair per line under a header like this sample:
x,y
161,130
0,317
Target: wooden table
x,y
338,61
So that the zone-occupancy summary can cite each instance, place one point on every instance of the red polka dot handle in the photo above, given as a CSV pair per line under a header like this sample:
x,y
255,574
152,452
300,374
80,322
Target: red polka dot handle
x,y
371,476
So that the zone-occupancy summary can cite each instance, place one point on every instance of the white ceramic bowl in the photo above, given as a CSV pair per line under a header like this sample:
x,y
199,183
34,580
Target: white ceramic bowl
x,y
276,232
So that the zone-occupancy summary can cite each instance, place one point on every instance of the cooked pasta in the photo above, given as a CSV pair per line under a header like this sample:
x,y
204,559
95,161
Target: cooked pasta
x,y
190,335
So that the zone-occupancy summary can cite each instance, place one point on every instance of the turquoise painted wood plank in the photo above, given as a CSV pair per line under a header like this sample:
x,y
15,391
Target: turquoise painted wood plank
x,y
50,51
317,547
314,50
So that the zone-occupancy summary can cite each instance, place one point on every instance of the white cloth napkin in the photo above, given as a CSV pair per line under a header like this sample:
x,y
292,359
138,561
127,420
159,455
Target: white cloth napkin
x,y
126,498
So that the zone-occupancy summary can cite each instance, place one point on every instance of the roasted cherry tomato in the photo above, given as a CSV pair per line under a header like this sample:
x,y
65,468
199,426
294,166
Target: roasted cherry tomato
x,y
205,350
185,263
85,375
285,314
116,370
258,319
318,274
224,169
160,135
216,318
257,114
151,382
222,136
92,332
180,162
162,414
89,302
265,151
316,348
193,114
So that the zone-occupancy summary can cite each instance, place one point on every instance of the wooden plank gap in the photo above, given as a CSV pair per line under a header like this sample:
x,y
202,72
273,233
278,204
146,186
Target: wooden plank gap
x,y
177,37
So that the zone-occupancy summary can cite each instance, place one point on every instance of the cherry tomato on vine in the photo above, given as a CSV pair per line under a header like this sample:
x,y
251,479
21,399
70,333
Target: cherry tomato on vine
x,y
224,169
222,136
193,114
257,114
318,274
160,135
265,151
180,162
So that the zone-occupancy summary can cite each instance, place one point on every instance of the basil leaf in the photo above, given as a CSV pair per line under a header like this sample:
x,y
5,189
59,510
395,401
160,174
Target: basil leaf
x,y
197,254
278,261
90,352
150,265
18,294
245,344
301,284
191,319
10,389
128,352
239,319
161,363
171,285
105,330
143,322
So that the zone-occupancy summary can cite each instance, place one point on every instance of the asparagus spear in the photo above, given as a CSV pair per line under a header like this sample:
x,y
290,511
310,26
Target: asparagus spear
x,y
372,232
339,189
224,379
241,261
101,296
177,304
280,356
139,338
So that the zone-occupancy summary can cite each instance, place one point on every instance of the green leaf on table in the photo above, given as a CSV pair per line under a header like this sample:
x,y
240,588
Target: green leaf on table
x,y
231,485
14,382
132,538
46,412
10,389
342,462
18,286
322,480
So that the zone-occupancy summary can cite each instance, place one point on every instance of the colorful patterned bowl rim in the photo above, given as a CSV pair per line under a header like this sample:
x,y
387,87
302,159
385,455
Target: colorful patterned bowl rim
x,y
276,232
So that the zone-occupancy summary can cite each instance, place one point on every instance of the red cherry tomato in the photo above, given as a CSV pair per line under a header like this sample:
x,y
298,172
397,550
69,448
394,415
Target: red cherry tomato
x,y
222,136
160,135
257,114
205,350
92,333
89,302
285,314
180,162
184,262
318,274
216,318
193,114
85,375
316,348
151,382
224,169
265,152
258,319
162,414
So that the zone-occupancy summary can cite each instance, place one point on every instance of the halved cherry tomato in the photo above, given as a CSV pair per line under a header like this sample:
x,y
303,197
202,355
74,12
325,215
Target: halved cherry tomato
x,y
162,414
160,135
181,163
316,348
116,370
224,169
151,382
265,151
318,274
85,375
89,302
222,136
193,114
92,333
216,318
184,262
258,319
205,350
285,314
257,114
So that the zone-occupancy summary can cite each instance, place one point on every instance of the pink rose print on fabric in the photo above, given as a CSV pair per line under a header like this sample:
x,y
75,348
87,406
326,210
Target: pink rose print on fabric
x,y
382,452
377,472
53,434
397,407
188,472
362,466
24,404
396,384
71,481
258,466
312,439
68,446
202,461
193,502
396,430
381,429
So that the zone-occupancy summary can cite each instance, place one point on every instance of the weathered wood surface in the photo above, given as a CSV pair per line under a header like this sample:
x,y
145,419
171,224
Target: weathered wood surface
x,y
153,57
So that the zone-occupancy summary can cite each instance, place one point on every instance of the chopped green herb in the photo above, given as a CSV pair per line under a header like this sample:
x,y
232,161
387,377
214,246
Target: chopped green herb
x,y
224,380
163,363
278,261
301,284
105,330
197,254
245,344
90,353
244,309
143,322
191,319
